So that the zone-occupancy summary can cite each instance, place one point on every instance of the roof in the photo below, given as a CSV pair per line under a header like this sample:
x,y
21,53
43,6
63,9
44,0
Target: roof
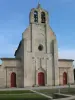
x,y
10,58
18,48
66,60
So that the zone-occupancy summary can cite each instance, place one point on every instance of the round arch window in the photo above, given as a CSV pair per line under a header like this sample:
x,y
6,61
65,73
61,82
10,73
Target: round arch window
x,y
40,47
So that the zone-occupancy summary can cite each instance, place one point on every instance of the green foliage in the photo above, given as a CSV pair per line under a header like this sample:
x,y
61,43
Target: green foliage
x,y
20,95
15,92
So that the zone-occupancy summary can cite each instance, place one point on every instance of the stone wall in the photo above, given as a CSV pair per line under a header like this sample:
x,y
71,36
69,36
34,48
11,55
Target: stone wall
x,y
8,66
66,66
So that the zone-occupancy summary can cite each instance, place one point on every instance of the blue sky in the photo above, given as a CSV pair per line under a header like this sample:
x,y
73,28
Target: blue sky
x,y
14,18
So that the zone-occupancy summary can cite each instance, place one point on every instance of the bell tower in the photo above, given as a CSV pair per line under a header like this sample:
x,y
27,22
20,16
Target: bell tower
x,y
40,53
39,20
38,15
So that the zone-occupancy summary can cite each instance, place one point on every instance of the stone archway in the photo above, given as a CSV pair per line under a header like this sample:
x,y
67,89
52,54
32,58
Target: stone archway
x,y
64,78
41,79
13,79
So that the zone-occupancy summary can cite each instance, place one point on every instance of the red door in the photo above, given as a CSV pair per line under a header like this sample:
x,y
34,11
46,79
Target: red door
x,y
64,78
13,79
41,80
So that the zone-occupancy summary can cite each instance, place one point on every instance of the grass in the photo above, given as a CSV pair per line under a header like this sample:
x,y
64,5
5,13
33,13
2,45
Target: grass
x,y
15,92
20,95
50,92
70,91
27,96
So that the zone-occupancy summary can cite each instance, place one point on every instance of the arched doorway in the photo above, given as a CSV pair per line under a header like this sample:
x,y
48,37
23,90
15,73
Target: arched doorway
x,y
64,78
41,79
13,79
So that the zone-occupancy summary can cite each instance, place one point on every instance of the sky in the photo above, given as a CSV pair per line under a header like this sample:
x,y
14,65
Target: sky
x,y
14,19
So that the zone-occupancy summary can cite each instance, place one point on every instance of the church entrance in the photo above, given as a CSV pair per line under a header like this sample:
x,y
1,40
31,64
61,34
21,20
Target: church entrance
x,y
41,79
13,79
64,78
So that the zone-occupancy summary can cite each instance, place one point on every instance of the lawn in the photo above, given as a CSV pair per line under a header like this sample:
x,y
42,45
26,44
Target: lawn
x,y
70,91
29,95
15,92
20,95
50,92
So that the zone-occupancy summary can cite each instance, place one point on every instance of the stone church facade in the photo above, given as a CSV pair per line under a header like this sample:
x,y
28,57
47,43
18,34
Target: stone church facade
x,y
36,60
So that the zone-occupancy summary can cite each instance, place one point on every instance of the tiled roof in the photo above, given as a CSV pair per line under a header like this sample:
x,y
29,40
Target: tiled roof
x,y
10,58
65,60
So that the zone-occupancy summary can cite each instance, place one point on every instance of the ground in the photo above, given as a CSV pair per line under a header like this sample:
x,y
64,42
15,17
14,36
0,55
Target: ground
x,y
69,91
26,94
20,95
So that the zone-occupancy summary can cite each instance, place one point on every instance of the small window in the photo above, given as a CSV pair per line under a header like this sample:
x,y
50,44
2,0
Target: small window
x,y
35,16
43,19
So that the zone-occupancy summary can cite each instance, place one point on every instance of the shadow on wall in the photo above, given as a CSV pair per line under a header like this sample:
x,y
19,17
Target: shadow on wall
x,y
74,75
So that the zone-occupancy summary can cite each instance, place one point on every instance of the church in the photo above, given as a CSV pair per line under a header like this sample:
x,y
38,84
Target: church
x,y
36,61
